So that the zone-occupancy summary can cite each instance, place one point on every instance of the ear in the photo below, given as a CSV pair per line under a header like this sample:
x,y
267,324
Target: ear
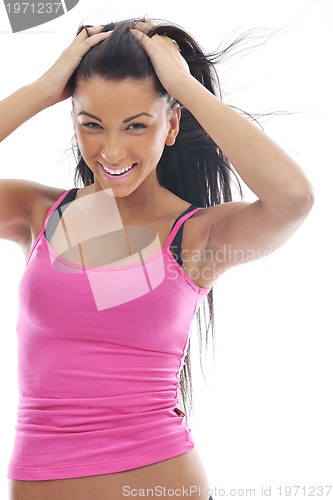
x,y
174,122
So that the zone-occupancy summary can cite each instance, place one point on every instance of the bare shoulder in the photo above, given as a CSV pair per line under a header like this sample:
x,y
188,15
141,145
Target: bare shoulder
x,y
241,232
23,206
204,218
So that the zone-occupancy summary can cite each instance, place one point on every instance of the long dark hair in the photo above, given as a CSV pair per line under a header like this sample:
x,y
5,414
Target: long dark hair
x,y
194,168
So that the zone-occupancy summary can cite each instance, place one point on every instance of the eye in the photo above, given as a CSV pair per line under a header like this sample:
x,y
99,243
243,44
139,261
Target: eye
x,y
137,126
91,125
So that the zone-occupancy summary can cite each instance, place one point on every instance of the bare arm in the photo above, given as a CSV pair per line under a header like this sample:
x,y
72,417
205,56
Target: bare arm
x,y
18,196
50,88
271,174
285,195
20,107
243,231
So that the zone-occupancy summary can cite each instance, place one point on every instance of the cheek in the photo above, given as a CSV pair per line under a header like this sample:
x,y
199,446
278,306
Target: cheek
x,y
153,151
86,144
157,142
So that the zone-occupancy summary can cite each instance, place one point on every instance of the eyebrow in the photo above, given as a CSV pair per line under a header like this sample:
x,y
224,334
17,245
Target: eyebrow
x,y
124,121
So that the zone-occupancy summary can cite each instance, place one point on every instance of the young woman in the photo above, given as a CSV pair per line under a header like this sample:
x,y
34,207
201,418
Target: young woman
x,y
116,269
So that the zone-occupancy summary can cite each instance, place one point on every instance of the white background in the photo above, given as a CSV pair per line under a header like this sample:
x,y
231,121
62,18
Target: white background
x,y
264,420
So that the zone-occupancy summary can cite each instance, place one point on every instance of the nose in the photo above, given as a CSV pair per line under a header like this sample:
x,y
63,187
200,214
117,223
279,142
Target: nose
x,y
113,150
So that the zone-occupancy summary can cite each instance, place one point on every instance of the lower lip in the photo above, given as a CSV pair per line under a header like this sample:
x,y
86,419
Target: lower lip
x,y
117,178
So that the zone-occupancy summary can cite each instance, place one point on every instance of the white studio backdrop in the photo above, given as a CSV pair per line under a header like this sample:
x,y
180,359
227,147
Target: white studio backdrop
x,y
264,419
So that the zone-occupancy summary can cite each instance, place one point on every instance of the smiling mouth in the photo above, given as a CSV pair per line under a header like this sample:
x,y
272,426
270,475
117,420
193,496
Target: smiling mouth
x,y
119,171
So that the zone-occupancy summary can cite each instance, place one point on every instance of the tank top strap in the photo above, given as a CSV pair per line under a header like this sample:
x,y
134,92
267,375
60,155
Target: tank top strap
x,y
175,237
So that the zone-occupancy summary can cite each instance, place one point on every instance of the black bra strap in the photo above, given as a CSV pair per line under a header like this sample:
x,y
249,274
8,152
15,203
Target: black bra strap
x,y
176,244
56,215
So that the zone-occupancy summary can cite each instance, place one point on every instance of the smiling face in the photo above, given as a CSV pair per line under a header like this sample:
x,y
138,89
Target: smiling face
x,y
122,125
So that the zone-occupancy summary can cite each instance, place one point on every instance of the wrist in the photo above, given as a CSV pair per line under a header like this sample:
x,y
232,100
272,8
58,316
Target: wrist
x,y
187,90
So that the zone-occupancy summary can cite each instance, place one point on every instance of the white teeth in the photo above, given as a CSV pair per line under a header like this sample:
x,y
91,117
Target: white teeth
x,y
117,172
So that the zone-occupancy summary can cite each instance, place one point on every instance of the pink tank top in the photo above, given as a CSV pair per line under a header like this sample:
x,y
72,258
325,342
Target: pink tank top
x,y
100,352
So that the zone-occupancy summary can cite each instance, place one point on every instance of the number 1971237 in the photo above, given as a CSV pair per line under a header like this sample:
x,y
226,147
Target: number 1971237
x,y
33,8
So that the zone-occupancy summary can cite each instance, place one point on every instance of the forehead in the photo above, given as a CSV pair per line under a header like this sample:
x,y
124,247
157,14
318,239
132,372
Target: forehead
x,y
122,98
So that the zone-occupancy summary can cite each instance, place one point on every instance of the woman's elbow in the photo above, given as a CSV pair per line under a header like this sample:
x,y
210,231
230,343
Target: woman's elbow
x,y
301,200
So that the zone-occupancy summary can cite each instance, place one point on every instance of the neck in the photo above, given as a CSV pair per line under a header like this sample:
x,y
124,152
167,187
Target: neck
x,y
148,201
144,205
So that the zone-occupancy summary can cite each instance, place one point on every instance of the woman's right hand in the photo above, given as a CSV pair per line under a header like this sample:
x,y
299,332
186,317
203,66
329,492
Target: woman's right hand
x,y
54,83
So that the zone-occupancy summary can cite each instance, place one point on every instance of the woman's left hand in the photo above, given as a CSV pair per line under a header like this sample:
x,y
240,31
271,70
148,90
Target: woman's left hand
x,y
169,65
